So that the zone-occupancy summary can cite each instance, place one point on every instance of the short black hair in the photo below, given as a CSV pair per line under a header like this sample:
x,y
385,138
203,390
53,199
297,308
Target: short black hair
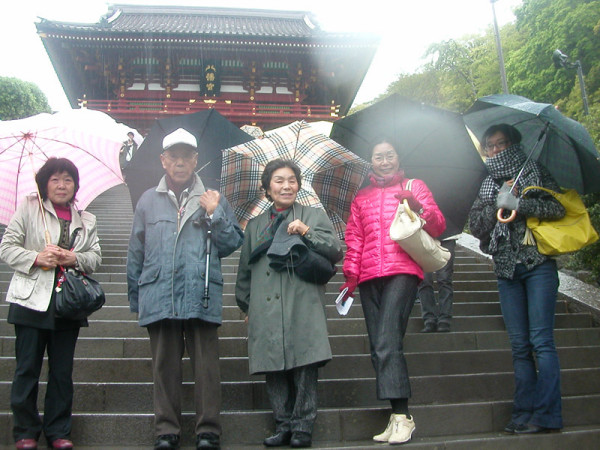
x,y
511,133
381,140
276,164
56,165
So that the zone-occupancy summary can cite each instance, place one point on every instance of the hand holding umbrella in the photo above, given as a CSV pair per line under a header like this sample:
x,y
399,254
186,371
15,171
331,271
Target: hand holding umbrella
x,y
507,200
209,201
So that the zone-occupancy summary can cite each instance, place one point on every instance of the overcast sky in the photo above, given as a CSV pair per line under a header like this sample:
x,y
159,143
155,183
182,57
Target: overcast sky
x,y
407,28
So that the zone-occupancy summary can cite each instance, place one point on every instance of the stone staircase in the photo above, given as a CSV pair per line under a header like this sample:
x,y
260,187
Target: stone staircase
x,y
462,381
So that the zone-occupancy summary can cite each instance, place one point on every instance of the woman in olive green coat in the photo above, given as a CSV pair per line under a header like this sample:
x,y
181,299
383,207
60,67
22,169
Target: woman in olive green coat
x,y
287,329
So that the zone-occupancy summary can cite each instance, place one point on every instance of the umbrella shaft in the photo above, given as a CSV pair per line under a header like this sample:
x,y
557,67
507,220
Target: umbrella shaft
x,y
206,295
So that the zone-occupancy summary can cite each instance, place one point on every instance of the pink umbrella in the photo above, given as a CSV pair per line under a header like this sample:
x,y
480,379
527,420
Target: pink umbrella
x,y
26,144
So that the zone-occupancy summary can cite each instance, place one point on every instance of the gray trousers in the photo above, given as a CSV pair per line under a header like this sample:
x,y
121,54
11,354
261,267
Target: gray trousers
x,y
168,339
387,303
293,397
441,311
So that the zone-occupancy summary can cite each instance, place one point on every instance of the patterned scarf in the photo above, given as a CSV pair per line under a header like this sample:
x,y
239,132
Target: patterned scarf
x,y
505,166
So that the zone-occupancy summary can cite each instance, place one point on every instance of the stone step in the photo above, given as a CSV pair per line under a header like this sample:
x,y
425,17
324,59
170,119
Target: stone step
x,y
114,311
355,366
121,397
343,326
139,347
335,426
338,326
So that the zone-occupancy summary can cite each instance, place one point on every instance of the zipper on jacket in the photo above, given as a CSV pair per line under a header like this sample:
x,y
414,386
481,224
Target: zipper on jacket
x,y
381,249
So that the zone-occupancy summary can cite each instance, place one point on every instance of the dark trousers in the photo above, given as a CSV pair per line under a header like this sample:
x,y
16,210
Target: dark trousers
x,y
387,303
168,340
293,397
30,346
441,311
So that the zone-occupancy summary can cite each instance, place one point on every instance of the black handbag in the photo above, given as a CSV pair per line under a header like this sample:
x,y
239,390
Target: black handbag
x,y
289,252
77,295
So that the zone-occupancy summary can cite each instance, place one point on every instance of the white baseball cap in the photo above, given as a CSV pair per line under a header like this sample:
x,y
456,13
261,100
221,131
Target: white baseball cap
x,y
180,137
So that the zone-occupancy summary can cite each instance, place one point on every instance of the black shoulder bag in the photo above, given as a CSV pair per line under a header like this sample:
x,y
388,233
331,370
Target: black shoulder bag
x,y
77,295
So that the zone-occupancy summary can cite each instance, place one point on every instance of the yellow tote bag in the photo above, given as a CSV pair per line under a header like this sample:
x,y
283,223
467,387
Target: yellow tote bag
x,y
571,233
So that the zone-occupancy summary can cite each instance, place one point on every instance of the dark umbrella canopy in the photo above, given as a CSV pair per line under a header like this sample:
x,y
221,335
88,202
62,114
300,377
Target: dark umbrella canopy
x,y
213,133
565,149
434,146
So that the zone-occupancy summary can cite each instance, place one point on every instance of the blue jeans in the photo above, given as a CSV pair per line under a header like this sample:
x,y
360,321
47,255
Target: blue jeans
x,y
528,303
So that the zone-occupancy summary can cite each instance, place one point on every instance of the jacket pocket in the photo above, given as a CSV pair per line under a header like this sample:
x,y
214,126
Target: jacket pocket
x,y
22,284
149,275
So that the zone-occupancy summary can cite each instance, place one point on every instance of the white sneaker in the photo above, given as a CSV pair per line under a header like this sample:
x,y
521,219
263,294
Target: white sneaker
x,y
402,429
383,437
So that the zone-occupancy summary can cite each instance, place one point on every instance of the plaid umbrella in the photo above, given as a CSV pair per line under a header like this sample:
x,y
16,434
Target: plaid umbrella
x,y
331,174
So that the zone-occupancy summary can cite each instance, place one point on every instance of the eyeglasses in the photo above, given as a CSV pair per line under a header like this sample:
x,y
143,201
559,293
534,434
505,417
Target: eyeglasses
x,y
387,157
174,158
499,145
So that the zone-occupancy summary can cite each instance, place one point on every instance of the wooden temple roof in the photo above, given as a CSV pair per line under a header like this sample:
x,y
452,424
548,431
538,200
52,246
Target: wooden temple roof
x,y
199,20
207,21
91,58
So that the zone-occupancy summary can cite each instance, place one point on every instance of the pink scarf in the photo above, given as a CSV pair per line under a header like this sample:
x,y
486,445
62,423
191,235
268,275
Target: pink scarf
x,y
386,180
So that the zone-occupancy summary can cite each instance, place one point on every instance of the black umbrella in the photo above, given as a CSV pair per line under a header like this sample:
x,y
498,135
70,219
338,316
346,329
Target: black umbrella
x,y
559,143
213,133
434,146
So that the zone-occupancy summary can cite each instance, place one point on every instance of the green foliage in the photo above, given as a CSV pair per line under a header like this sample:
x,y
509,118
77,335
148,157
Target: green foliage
x,y
20,99
547,25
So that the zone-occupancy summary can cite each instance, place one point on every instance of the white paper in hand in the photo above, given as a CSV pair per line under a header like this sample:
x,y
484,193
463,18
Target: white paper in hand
x,y
343,307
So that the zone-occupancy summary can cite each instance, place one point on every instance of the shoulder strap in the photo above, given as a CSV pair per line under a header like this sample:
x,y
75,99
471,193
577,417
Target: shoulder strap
x,y
549,191
409,184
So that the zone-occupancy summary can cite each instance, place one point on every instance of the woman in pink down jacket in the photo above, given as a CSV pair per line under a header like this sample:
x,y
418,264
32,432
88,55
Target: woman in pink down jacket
x,y
387,277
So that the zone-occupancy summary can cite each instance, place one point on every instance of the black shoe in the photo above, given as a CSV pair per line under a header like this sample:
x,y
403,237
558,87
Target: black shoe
x,y
512,427
300,439
533,429
443,327
430,327
278,439
208,440
166,441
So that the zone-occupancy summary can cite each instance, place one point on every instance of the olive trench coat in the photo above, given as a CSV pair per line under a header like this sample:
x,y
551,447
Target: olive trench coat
x,y
286,317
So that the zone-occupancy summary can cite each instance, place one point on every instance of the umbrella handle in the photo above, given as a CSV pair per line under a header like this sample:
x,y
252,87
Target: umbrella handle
x,y
510,218
48,241
408,211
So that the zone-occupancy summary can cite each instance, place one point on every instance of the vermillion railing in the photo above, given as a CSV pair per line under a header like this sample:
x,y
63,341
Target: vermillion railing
x,y
237,112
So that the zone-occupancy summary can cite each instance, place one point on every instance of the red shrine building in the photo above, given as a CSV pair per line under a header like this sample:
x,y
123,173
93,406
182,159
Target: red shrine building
x,y
258,67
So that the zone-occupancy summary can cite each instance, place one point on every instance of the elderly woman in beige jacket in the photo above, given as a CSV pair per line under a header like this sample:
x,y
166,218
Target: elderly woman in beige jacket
x,y
74,243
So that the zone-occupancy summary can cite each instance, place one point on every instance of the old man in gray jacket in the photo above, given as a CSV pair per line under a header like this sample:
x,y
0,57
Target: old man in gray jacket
x,y
166,272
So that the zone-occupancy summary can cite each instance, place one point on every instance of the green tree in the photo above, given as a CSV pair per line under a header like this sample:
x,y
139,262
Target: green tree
x,y
547,25
20,99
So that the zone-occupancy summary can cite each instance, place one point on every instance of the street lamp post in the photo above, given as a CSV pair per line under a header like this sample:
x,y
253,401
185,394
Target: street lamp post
x,y
499,49
562,60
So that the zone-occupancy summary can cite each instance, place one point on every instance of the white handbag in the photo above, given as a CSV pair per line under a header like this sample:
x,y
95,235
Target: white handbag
x,y
407,230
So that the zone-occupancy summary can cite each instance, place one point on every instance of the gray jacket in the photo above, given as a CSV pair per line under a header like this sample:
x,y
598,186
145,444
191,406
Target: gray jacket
x,y
166,260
